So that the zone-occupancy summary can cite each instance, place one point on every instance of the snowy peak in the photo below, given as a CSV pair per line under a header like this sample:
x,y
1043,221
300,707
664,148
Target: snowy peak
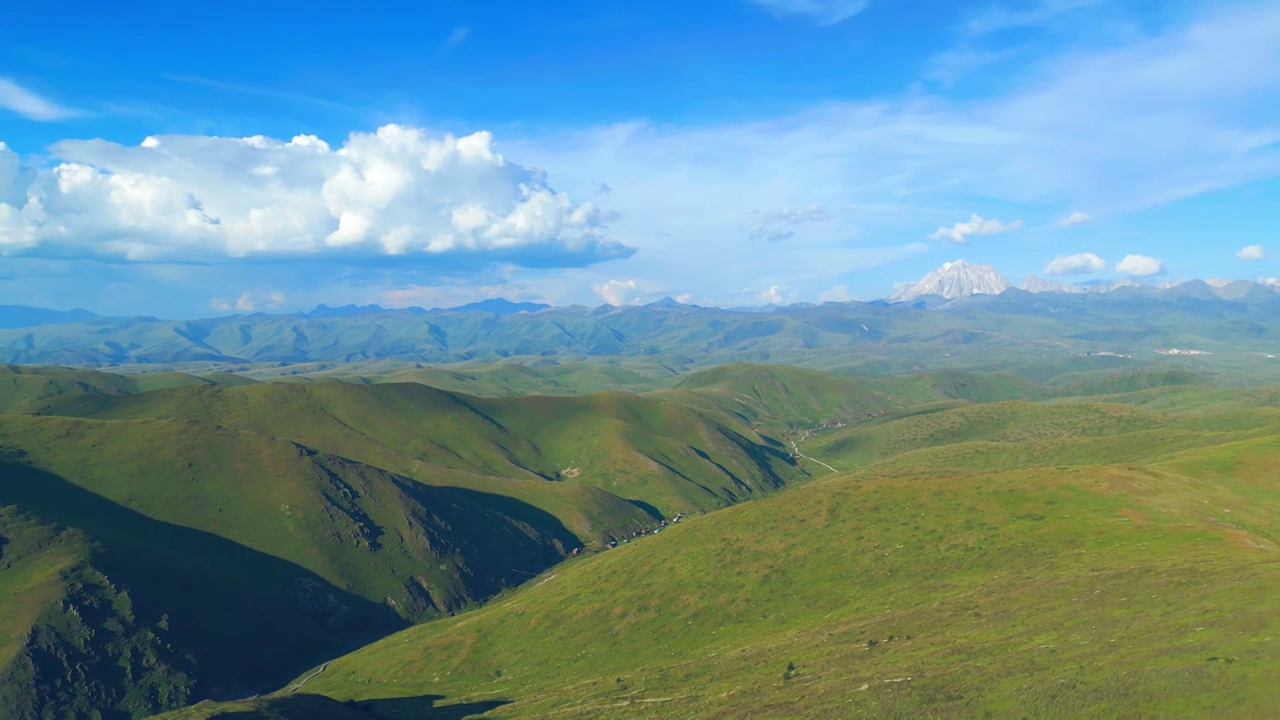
x,y
953,280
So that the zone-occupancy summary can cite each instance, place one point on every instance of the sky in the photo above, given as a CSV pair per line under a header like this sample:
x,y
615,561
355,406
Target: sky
x,y
200,159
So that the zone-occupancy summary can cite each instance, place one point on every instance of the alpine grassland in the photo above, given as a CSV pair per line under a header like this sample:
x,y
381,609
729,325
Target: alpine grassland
x,y
946,544
1087,591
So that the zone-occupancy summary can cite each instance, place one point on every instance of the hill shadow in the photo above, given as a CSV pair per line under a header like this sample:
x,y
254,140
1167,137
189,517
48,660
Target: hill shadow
x,y
425,707
653,512
311,706
249,620
543,522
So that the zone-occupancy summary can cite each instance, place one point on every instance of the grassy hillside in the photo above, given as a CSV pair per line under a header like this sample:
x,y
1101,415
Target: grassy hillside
x,y
255,555
780,397
25,389
662,454
231,534
1087,591
1020,434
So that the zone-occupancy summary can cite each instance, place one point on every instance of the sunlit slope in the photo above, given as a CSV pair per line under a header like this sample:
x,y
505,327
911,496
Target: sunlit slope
x,y
663,454
249,555
958,384
36,389
512,379
1020,434
781,396
1047,593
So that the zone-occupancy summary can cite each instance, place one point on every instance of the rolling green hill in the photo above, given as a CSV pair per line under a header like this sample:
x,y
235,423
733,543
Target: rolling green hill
x,y
183,539
173,538
781,397
27,389
662,454
944,579
243,554
1087,591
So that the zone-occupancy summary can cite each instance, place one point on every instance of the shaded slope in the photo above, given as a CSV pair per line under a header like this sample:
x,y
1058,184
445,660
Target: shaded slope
x,y
258,555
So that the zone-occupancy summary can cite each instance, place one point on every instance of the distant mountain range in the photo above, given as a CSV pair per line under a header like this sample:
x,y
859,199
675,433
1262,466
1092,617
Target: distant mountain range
x,y
17,316
927,331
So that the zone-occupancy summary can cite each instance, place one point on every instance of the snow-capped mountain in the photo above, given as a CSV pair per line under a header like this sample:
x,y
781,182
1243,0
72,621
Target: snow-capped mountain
x,y
953,280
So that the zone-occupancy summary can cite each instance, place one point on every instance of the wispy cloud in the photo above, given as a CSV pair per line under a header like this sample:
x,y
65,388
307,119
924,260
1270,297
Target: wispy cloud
x,y
259,91
824,12
776,226
1250,252
15,98
1001,17
457,37
1075,218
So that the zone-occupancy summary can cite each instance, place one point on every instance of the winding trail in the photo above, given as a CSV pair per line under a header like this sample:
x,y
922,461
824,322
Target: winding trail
x,y
795,448
307,679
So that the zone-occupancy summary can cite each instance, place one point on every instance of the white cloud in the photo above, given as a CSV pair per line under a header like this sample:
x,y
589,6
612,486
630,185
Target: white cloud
x,y
977,226
1250,252
1139,266
1075,218
768,225
1081,264
1270,282
773,296
15,98
824,12
274,300
618,292
396,192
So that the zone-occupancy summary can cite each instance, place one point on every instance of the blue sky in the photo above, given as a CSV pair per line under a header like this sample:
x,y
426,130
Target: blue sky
x,y
195,160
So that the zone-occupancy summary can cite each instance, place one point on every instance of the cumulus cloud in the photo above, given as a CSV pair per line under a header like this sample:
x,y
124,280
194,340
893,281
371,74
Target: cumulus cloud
x,y
1250,252
618,292
775,226
1140,266
1081,264
15,98
393,193
825,12
772,296
1075,218
977,226
244,303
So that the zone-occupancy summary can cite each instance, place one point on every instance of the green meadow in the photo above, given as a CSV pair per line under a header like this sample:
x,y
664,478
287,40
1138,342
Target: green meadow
x,y
946,544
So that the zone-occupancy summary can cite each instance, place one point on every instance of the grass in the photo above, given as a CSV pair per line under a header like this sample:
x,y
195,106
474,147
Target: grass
x,y
987,556
250,555
900,598
663,454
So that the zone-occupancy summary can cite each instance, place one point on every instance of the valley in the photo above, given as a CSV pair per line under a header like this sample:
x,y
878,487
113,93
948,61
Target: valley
x,y
849,544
